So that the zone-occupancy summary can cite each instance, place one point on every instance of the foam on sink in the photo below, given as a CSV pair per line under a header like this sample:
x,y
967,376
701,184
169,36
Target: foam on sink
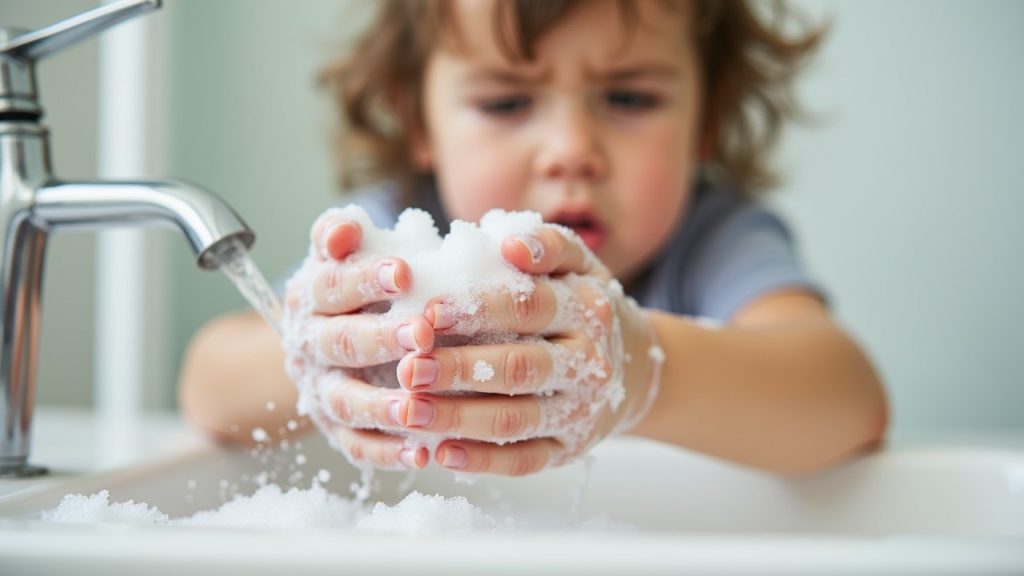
x,y
421,514
271,508
97,509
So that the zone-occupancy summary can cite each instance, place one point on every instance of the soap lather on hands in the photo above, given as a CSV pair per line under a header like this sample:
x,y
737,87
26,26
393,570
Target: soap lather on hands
x,y
506,349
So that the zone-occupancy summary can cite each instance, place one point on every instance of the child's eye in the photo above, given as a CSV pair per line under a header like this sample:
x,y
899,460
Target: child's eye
x,y
631,100
510,106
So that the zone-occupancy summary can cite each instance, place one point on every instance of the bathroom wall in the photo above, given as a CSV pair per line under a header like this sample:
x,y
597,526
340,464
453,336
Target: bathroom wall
x,y
907,197
901,195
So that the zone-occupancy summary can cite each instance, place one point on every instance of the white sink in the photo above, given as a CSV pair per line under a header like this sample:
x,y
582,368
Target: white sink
x,y
918,508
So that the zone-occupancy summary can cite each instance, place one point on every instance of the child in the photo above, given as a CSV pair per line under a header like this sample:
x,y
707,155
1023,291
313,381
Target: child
x,y
643,127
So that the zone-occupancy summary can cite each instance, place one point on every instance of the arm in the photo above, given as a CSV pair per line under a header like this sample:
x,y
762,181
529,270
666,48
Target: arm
x,y
781,387
232,368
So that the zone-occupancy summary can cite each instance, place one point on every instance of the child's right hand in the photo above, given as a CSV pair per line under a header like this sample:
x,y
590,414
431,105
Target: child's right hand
x,y
331,338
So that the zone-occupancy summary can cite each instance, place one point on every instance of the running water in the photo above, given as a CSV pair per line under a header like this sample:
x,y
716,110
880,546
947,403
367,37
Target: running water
x,y
234,260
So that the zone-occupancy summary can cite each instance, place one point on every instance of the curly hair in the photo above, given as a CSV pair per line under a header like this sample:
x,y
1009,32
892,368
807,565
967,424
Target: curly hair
x,y
748,61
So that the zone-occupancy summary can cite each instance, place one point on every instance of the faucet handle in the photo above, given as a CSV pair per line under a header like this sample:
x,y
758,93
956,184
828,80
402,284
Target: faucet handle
x,y
19,98
60,35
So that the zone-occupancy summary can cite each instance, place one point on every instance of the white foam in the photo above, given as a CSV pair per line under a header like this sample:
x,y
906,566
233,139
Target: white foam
x,y
271,508
421,514
482,371
97,509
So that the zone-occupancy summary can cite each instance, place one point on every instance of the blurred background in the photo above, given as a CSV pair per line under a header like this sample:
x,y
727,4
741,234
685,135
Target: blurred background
x,y
904,194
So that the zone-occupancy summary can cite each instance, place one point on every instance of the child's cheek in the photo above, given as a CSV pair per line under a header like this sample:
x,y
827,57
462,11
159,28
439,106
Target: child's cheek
x,y
658,186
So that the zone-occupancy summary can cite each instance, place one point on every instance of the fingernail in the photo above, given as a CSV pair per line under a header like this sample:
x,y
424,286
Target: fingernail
x,y
533,244
407,337
443,318
419,413
324,237
408,457
393,411
424,372
386,278
453,457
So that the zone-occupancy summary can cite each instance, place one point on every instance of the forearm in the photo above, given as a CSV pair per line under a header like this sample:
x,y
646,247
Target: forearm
x,y
233,368
790,398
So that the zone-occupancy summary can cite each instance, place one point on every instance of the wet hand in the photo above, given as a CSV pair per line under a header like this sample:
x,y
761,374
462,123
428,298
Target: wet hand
x,y
575,360
335,337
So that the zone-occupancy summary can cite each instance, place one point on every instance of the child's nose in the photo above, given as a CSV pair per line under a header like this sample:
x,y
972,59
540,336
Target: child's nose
x,y
571,148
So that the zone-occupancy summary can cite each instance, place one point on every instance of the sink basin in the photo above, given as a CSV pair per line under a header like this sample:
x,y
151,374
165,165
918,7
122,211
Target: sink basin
x,y
915,508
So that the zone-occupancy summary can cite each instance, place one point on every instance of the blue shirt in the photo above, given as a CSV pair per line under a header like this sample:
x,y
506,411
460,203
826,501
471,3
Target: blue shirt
x,y
726,252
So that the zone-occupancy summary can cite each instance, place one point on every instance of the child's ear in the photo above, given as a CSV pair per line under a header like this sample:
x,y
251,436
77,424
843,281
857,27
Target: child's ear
x,y
422,158
419,142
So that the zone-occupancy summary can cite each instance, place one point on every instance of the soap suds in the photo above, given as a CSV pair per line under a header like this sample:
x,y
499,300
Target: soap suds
x,y
97,509
271,508
482,371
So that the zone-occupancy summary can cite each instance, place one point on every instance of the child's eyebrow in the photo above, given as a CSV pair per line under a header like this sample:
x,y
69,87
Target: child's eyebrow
x,y
499,76
645,71
655,71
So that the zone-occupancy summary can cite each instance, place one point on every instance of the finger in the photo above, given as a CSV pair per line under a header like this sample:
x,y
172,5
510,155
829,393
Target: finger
x,y
379,449
491,418
517,459
339,288
547,251
515,368
352,403
360,340
335,237
498,311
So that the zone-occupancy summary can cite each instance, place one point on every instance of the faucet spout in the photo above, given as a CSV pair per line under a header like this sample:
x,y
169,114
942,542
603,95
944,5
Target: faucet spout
x,y
210,227
205,220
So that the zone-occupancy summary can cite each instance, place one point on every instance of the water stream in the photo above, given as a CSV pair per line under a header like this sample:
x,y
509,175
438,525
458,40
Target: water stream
x,y
234,260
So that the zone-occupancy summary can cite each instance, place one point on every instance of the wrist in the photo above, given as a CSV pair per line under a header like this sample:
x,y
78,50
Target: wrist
x,y
643,360
682,342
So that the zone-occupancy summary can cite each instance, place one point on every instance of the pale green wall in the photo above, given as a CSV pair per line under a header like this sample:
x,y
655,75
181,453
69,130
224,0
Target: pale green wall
x,y
908,197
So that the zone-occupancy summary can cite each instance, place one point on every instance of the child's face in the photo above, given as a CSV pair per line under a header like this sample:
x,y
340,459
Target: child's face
x,y
598,132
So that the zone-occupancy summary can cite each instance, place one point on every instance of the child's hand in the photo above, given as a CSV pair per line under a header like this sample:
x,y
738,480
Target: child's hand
x,y
576,361
331,340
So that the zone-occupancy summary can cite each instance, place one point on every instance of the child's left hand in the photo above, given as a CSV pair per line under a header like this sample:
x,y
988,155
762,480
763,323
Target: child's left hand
x,y
573,362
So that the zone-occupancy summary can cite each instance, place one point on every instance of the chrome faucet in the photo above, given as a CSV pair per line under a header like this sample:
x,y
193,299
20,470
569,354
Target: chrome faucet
x,y
33,203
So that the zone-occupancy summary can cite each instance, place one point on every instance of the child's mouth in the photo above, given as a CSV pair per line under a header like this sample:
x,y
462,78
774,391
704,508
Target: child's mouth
x,y
586,226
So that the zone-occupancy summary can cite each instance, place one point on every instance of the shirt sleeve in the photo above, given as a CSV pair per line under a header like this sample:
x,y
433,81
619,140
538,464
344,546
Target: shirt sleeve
x,y
749,254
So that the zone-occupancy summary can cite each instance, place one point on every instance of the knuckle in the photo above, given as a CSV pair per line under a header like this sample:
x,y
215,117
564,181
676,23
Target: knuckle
x,y
331,284
517,373
483,461
343,346
339,406
455,418
509,421
524,462
357,451
524,309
